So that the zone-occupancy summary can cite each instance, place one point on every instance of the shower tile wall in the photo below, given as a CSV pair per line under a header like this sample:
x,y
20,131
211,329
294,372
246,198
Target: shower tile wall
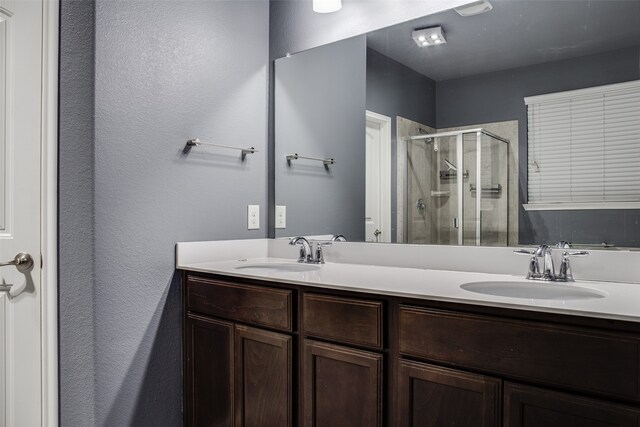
x,y
414,182
445,195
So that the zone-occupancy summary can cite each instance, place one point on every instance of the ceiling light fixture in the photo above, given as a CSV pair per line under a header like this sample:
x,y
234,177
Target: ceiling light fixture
x,y
429,36
475,8
326,6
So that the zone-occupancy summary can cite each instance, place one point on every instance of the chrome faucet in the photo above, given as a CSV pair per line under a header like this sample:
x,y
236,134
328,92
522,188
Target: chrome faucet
x,y
548,272
548,269
305,248
307,253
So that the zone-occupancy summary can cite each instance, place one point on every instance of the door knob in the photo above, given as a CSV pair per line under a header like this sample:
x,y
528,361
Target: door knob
x,y
23,262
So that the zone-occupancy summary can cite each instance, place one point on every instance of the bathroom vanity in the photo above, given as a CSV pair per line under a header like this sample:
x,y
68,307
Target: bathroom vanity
x,y
271,342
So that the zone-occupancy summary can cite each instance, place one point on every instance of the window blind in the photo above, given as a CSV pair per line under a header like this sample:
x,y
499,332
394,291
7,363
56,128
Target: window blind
x,y
584,145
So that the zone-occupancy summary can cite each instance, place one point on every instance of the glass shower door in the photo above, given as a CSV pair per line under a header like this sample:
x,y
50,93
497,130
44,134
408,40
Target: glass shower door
x,y
432,202
493,177
485,194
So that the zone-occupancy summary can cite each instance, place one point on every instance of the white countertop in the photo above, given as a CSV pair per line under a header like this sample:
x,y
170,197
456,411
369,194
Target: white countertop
x,y
622,301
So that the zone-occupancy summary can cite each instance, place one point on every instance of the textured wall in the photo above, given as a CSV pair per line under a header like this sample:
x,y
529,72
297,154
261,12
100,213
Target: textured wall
x,y
164,72
499,96
75,204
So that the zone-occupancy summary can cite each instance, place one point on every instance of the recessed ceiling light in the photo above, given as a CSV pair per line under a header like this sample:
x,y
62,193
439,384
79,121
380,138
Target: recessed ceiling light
x,y
429,36
474,8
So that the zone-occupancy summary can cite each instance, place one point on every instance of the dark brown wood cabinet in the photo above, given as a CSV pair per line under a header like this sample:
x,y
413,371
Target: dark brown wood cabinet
x,y
236,374
534,407
434,396
603,363
263,385
342,386
347,320
208,372
269,354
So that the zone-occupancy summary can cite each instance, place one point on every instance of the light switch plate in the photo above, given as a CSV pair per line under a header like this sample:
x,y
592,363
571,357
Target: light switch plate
x,y
281,216
253,217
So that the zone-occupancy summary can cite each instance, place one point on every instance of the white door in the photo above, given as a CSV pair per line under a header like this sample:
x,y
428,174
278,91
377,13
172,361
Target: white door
x,y
20,209
378,178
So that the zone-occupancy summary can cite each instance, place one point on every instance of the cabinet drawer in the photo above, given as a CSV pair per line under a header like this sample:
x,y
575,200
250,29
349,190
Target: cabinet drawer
x,y
351,321
243,303
574,358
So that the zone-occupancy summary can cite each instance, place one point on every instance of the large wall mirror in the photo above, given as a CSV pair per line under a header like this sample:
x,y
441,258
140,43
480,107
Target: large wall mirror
x,y
499,124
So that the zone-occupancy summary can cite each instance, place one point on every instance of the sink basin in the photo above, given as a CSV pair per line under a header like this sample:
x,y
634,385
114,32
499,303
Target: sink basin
x,y
290,267
533,290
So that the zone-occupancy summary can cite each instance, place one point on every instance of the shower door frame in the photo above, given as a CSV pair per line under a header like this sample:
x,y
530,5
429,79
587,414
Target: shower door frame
x,y
459,134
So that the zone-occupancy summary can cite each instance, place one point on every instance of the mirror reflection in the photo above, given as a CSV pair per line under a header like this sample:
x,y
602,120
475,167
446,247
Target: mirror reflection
x,y
519,125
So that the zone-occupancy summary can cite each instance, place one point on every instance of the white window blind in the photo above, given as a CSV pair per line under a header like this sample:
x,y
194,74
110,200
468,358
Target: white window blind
x,y
584,146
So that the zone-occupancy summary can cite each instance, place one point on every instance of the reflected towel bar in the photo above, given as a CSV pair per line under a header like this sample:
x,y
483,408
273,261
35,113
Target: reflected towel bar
x,y
195,142
496,189
296,156
450,174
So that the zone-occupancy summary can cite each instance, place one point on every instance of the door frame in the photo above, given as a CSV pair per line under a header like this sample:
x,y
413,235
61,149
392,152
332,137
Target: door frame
x,y
49,217
385,173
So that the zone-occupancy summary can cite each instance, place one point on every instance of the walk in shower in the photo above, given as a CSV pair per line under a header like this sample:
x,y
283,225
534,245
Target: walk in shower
x,y
456,188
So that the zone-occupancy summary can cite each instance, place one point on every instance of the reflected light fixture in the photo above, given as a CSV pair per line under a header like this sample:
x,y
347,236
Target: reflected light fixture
x,y
327,6
429,36
474,8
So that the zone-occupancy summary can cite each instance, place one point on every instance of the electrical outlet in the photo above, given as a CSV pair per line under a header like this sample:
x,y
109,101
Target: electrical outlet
x,y
253,217
281,217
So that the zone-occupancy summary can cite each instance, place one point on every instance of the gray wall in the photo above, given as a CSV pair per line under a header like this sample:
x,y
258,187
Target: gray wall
x,y
76,225
394,89
319,112
164,72
500,96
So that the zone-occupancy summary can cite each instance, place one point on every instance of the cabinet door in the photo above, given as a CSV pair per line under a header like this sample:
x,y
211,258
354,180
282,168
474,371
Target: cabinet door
x,y
263,371
342,386
208,372
532,407
434,396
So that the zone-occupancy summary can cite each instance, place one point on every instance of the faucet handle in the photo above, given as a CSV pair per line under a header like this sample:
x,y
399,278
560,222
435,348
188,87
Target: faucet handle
x,y
524,252
576,253
319,256
565,268
534,265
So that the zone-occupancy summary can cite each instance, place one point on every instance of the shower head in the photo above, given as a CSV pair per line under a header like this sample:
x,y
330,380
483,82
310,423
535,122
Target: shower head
x,y
450,166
